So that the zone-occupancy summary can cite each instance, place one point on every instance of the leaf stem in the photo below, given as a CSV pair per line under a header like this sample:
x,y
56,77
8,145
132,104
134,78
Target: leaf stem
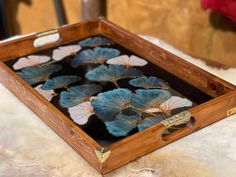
x,y
115,83
55,94
143,111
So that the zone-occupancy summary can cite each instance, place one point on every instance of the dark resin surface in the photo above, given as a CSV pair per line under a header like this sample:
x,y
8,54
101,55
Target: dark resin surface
x,y
95,127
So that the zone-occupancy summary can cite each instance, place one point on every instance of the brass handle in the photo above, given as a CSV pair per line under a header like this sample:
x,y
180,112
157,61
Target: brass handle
x,y
177,119
177,125
46,37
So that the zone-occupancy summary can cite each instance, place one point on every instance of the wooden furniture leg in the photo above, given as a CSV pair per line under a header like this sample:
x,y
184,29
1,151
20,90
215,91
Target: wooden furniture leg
x,y
93,9
60,12
4,32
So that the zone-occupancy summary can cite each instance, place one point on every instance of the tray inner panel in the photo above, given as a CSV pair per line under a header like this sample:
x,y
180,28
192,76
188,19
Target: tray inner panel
x,y
95,126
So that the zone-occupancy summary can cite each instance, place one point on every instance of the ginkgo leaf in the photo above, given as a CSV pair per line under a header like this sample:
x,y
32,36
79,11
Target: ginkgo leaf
x,y
60,82
65,51
112,73
172,103
31,60
123,124
127,61
96,56
37,74
150,121
95,42
107,105
146,99
48,94
149,82
81,112
78,94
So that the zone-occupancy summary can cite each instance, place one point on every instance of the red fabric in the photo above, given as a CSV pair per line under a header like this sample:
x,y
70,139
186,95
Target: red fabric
x,y
227,7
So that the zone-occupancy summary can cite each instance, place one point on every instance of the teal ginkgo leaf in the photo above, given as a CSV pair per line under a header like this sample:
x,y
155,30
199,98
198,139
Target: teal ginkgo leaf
x,y
112,73
149,82
146,99
60,82
97,55
95,42
37,74
122,111
78,94
123,124
107,105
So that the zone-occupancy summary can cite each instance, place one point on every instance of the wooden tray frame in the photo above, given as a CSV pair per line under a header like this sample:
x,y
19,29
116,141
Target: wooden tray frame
x,y
106,159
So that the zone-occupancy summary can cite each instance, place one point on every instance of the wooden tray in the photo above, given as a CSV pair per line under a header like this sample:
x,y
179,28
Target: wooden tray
x,y
213,97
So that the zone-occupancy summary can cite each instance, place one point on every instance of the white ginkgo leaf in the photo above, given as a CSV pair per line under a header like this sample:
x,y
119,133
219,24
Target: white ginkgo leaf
x,y
48,94
65,51
137,61
127,61
81,113
31,60
173,102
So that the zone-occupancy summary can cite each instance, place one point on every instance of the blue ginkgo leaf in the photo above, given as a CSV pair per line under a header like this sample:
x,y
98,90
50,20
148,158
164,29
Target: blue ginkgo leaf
x,y
37,74
59,82
112,73
122,111
95,42
146,99
150,121
149,82
123,124
108,105
78,94
96,56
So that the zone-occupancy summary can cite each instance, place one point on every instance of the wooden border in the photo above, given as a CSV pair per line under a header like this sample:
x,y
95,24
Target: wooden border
x,y
141,143
166,60
25,44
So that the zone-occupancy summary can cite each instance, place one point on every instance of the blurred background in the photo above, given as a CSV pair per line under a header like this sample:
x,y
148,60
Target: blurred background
x,y
183,24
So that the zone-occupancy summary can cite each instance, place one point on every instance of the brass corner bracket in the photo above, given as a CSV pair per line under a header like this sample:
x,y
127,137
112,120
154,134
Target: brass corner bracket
x,y
102,154
231,111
